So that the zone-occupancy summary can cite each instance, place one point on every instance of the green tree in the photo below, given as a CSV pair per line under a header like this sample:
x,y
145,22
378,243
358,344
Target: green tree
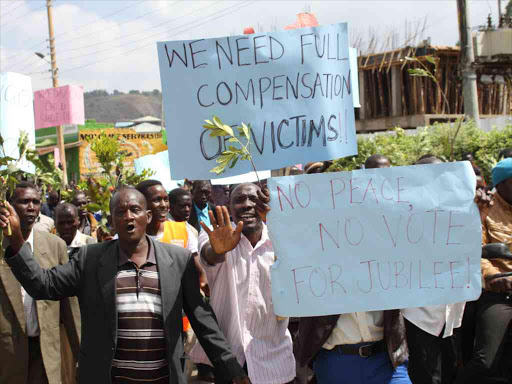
x,y
508,9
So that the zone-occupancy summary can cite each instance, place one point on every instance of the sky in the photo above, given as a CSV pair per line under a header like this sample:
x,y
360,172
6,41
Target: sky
x,y
111,45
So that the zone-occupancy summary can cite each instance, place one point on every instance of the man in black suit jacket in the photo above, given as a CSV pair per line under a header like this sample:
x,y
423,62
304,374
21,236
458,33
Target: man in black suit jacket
x,y
96,274
201,194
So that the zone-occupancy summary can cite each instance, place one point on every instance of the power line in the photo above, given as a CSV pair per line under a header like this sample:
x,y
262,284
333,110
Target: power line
x,y
65,33
27,57
98,20
243,5
136,33
87,34
13,9
25,14
37,63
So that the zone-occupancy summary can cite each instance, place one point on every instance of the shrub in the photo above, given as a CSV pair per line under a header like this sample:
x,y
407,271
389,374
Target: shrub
x,y
404,149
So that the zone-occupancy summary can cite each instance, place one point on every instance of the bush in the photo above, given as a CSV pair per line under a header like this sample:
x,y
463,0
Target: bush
x,y
405,149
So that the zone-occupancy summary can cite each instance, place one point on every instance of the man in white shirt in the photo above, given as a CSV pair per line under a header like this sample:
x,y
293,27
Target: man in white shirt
x,y
67,221
432,346
237,262
429,331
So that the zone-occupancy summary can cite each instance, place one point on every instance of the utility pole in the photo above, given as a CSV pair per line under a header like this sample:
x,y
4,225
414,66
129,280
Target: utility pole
x,y
55,79
499,13
467,58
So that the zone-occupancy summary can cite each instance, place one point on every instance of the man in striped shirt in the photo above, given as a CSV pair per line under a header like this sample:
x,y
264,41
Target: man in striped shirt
x,y
131,292
237,262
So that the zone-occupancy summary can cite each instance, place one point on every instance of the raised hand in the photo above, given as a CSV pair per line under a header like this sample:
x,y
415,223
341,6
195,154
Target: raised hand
x,y
484,201
223,238
10,224
501,285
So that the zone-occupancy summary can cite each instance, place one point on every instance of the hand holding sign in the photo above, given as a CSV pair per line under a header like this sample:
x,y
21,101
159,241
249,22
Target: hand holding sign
x,y
262,205
223,238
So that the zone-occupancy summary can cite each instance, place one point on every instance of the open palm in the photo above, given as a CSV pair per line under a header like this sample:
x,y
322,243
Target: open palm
x,y
223,238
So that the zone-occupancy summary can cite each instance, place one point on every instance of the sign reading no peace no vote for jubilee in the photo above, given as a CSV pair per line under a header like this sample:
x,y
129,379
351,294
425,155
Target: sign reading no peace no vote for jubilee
x,y
374,239
292,87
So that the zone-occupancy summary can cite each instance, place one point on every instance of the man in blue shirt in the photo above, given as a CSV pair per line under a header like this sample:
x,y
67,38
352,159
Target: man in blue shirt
x,y
201,195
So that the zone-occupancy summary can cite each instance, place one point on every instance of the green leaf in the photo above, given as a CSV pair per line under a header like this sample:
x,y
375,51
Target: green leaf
x,y
430,59
228,129
218,132
246,131
219,169
232,140
11,168
419,72
233,163
209,126
93,207
217,122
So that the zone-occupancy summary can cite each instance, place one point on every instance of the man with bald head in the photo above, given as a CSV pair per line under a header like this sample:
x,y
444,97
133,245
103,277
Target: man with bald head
x,y
67,222
237,258
377,161
88,223
132,292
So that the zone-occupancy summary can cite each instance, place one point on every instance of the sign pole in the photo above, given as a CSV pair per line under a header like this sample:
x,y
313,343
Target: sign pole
x,y
60,135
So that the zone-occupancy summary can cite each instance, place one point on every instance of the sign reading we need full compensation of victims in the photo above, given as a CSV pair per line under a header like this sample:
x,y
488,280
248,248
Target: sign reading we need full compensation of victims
x,y
292,87
375,239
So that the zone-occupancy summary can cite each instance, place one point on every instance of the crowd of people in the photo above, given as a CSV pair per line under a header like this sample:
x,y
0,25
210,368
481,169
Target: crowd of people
x,y
183,279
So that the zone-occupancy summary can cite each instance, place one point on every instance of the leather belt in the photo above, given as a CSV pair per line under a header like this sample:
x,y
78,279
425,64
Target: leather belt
x,y
363,350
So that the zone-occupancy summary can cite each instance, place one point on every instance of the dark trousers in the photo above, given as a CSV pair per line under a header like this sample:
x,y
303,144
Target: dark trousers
x,y
334,367
491,361
36,370
432,360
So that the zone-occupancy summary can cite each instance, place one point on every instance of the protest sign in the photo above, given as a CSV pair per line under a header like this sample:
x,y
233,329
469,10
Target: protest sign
x,y
249,177
374,239
354,76
59,106
293,87
158,163
133,144
16,114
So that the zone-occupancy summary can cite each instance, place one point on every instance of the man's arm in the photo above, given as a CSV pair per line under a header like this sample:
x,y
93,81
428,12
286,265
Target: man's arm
x,y
51,284
70,312
488,269
56,283
205,326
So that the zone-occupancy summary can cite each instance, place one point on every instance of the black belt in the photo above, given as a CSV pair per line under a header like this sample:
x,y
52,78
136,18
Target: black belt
x,y
363,350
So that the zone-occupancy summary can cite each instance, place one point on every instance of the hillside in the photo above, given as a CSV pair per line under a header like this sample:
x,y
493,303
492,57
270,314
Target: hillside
x,y
121,107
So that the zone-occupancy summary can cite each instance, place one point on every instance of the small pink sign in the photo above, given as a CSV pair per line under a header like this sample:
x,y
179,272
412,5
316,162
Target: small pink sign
x,y
59,106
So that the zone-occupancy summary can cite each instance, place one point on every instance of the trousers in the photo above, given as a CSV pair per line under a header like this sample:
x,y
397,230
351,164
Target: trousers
x,y
334,367
432,359
491,361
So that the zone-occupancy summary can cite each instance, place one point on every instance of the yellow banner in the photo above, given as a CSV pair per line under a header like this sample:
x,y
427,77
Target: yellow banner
x,y
134,144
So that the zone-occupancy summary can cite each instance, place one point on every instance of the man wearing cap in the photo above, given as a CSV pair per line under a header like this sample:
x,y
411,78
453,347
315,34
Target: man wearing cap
x,y
494,313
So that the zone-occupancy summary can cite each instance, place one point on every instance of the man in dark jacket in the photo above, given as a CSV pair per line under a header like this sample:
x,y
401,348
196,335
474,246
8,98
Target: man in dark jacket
x,y
201,195
125,286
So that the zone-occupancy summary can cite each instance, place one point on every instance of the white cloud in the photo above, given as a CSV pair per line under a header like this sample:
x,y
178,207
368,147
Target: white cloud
x,y
120,51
